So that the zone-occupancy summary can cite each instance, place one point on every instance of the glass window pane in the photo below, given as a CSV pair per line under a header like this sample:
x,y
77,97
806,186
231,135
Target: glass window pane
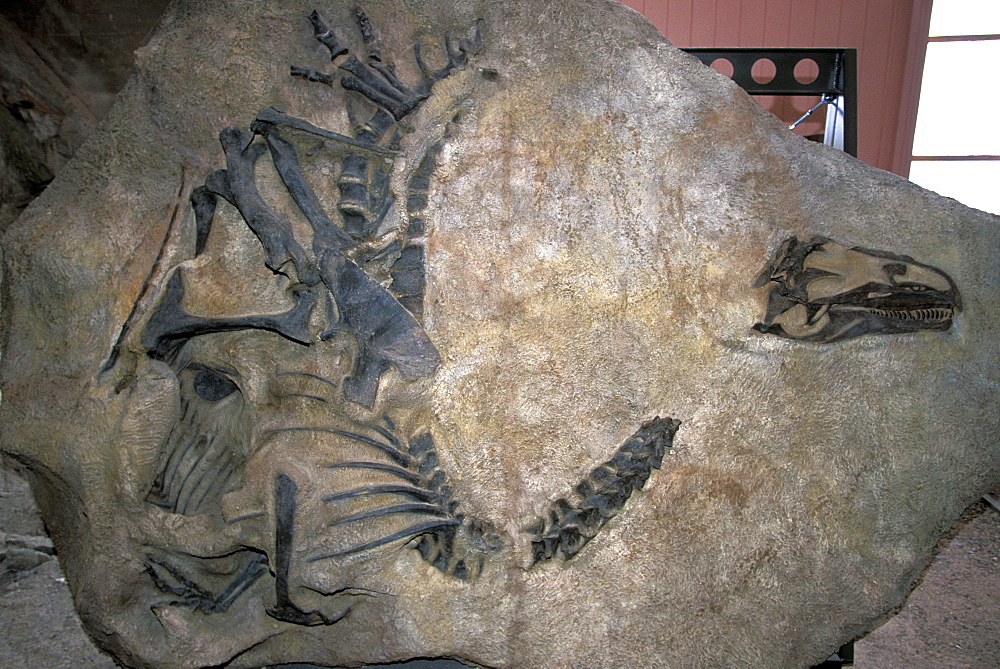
x,y
971,182
958,91
965,17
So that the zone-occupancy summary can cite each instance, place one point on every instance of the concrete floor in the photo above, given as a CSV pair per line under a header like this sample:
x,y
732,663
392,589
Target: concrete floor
x,y
952,619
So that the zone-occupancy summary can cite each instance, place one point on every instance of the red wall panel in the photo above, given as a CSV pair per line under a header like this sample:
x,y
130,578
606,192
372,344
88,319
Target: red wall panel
x,y
890,36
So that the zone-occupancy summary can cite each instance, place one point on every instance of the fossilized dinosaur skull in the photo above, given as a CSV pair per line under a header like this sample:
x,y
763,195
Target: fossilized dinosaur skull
x,y
825,292
353,337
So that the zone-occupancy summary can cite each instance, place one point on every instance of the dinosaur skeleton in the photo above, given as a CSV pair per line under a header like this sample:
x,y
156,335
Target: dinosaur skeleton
x,y
207,451
372,290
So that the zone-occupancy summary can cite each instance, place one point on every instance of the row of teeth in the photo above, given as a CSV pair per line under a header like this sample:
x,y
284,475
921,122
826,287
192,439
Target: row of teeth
x,y
915,314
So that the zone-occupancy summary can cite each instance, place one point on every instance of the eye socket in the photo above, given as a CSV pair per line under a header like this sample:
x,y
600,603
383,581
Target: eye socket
x,y
213,387
895,269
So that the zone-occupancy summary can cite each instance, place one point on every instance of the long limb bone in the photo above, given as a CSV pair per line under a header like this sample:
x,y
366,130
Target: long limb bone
x,y
284,512
275,117
274,232
287,164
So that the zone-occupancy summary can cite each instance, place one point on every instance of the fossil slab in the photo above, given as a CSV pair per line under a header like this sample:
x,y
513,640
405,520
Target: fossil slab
x,y
495,331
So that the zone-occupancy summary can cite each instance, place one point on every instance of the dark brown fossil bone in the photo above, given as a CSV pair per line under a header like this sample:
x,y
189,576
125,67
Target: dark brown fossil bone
x,y
284,609
273,230
825,292
170,325
385,332
452,542
326,36
569,525
172,580
327,234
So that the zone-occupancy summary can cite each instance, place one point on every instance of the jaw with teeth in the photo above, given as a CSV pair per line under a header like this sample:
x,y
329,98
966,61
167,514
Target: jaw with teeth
x,y
822,291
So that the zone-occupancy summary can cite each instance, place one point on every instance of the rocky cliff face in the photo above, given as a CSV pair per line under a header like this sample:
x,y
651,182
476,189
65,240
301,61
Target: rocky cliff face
x,y
61,65
537,343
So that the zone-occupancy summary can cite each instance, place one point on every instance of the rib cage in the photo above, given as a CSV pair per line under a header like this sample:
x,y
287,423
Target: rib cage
x,y
449,541
202,457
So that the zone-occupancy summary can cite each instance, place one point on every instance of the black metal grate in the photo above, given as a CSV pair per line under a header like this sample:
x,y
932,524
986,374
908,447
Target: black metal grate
x,y
836,82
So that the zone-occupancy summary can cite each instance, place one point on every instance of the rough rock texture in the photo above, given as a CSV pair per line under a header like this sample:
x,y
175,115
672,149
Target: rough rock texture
x,y
940,624
946,621
585,227
62,62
